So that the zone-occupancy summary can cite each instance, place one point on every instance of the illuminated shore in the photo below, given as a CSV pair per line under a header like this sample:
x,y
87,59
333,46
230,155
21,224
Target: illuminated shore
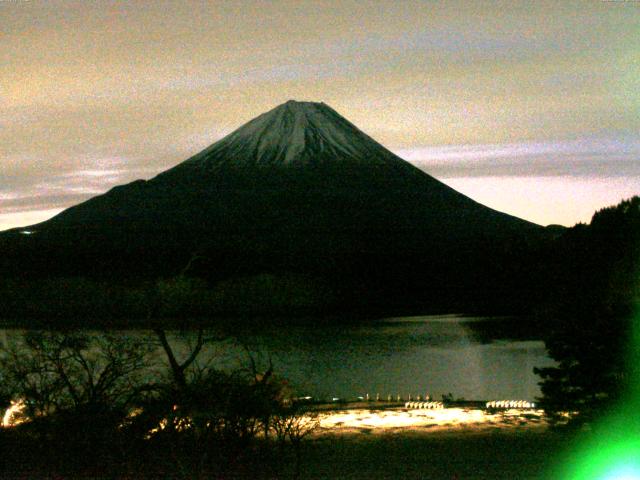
x,y
358,418
363,420
368,440
449,443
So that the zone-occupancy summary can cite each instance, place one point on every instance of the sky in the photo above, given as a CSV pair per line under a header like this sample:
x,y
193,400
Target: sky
x,y
529,107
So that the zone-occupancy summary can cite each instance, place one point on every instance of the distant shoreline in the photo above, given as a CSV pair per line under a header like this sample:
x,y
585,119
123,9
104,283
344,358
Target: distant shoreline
x,y
486,327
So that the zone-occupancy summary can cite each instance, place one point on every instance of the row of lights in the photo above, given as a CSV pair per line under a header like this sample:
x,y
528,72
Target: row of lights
x,y
424,405
510,404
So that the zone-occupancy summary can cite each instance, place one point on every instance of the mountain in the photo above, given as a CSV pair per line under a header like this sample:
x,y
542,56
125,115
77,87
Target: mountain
x,y
299,190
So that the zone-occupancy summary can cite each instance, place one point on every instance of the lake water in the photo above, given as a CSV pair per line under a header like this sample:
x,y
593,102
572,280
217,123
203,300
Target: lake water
x,y
432,355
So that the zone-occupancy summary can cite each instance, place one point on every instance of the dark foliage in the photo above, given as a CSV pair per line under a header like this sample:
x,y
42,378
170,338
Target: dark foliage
x,y
112,406
596,292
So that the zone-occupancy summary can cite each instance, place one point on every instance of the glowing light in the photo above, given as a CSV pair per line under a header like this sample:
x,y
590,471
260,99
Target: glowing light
x,y
623,473
383,419
620,461
424,405
510,404
613,450
12,416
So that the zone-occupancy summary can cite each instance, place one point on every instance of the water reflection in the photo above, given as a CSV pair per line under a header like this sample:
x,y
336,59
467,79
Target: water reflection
x,y
432,356
417,355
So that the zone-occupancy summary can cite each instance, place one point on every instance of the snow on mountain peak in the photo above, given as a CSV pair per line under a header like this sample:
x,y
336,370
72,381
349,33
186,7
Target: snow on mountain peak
x,y
295,133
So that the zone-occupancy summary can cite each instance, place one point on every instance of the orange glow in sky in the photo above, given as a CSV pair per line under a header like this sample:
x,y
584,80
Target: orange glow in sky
x,y
528,107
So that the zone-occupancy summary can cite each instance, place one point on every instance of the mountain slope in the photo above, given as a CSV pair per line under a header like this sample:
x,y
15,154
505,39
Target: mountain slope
x,y
297,189
299,157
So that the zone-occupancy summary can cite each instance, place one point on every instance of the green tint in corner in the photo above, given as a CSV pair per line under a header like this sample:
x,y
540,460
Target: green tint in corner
x,y
612,450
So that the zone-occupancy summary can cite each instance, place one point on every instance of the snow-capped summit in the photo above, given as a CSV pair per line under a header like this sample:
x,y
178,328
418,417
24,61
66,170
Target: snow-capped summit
x,y
295,133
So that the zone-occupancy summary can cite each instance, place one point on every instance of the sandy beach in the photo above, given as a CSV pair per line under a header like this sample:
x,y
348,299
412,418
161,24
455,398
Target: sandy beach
x,y
443,420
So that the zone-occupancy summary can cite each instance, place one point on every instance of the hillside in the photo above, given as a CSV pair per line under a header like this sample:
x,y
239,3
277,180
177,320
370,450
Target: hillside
x,y
298,190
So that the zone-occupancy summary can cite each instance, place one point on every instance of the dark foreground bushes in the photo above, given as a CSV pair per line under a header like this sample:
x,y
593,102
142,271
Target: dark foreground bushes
x,y
114,406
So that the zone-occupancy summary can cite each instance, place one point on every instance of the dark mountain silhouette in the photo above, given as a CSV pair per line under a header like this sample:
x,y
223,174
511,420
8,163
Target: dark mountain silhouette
x,y
297,190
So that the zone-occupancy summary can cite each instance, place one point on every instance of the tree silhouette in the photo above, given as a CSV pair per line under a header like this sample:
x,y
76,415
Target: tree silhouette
x,y
597,291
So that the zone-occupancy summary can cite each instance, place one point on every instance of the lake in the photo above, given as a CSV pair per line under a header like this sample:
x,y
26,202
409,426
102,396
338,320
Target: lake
x,y
432,355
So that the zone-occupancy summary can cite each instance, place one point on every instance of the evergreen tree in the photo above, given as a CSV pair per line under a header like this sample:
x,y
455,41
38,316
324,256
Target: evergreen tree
x,y
596,293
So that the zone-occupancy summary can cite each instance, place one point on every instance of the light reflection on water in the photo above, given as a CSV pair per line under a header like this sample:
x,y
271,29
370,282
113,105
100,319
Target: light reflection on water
x,y
416,355
432,355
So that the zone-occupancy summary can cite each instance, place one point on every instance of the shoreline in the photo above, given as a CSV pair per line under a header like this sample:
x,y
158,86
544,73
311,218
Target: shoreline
x,y
354,421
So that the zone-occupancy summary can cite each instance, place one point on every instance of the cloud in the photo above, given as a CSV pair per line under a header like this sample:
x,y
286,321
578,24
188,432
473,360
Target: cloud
x,y
586,157
67,188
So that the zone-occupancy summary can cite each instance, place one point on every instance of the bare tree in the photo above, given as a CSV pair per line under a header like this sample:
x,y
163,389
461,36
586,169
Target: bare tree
x,y
292,426
57,371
